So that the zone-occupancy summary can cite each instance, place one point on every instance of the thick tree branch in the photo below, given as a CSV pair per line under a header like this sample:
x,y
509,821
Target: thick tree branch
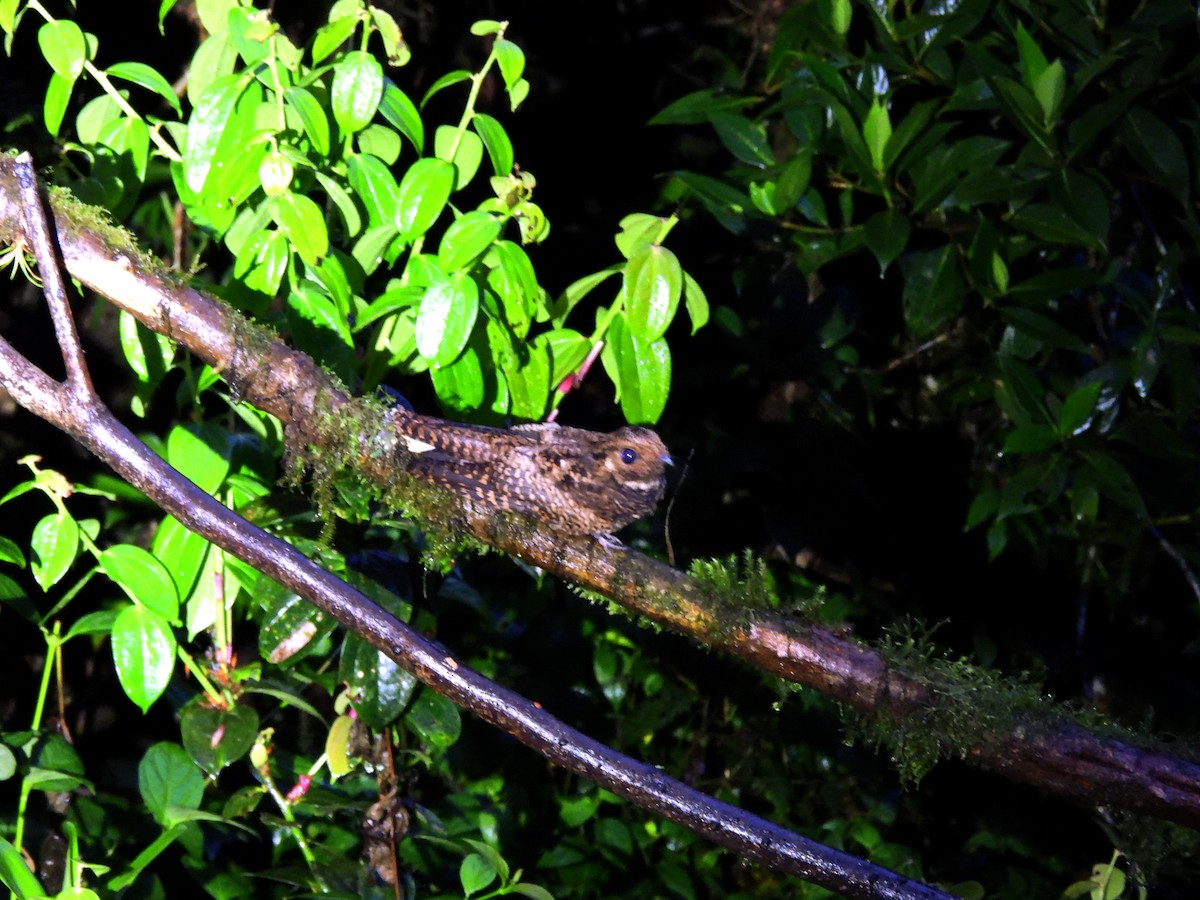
x,y
76,409
1043,749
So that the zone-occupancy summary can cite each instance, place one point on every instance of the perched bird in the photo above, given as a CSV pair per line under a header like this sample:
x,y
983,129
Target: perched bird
x,y
578,481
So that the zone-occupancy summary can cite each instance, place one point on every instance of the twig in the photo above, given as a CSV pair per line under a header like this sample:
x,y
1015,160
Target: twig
x,y
93,425
37,234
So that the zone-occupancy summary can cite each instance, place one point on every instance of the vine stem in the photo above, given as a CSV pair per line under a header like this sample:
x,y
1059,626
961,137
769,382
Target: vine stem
x,y
109,88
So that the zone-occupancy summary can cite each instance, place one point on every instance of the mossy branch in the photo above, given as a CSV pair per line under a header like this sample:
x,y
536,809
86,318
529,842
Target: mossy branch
x,y
1038,743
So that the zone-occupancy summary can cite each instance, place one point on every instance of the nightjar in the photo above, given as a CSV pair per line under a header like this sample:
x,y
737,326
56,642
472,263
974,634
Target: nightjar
x,y
578,481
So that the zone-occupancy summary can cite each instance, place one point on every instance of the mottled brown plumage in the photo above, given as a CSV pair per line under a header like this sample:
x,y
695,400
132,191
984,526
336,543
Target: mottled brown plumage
x,y
578,481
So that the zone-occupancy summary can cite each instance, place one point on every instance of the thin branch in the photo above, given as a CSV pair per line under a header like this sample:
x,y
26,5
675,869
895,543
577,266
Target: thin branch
x,y
89,422
37,233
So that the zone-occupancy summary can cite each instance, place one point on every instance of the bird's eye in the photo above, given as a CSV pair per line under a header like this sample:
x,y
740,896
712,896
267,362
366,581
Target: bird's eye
x,y
628,456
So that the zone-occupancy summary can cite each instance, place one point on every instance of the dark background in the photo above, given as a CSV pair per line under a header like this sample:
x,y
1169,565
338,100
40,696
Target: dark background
x,y
876,512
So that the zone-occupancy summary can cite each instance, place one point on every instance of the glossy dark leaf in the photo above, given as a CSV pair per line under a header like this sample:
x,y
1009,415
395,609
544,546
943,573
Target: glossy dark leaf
x,y
933,289
1157,148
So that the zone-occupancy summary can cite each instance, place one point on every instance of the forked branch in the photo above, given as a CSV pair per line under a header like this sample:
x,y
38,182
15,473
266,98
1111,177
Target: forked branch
x,y
74,407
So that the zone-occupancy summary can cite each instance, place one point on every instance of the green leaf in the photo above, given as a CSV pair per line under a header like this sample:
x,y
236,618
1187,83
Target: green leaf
x,y
484,27
728,204
1076,412
468,237
792,182
536,891
698,107
397,109
181,551
164,7
1156,147
201,452
382,689
8,17
394,46
312,117
1050,222
262,263
387,303
351,219
848,128
143,649
11,553
1050,89
54,107
143,578
167,777
216,57
147,77
1023,108
638,230
529,382
579,289
495,141
214,14
206,127
465,157
357,90
568,349
424,191
128,139
1085,200
55,543
375,187
15,874
982,508
446,317
331,36
303,223
515,283
886,234
695,301
464,385
1020,394
517,94
641,370
450,78
1043,329
933,289
1033,60
511,60
58,764
1030,439
320,328
653,284
1116,484
64,47
435,720
255,36
475,873
290,625
877,131
746,140
94,623
213,737
912,127
492,855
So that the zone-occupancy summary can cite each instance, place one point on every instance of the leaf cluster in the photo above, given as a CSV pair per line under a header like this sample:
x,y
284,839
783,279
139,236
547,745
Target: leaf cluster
x,y
1020,176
